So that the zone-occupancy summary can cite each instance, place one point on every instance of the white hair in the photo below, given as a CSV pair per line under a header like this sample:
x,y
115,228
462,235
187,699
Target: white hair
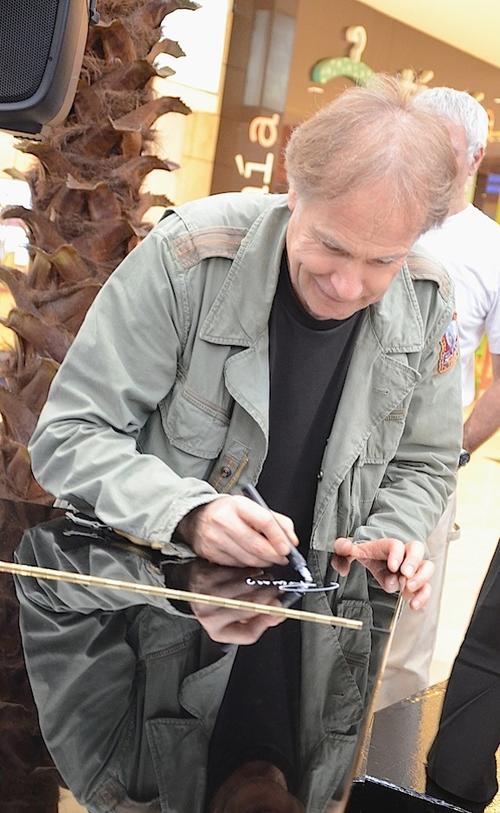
x,y
462,109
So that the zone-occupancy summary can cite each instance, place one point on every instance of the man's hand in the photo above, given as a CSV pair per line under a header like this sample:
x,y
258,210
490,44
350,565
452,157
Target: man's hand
x,y
392,563
225,624
237,532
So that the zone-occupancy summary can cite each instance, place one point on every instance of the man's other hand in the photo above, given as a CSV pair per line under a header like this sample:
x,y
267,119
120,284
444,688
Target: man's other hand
x,y
228,625
237,532
394,564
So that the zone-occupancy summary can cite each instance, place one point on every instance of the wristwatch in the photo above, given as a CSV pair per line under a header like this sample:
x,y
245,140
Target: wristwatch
x,y
463,458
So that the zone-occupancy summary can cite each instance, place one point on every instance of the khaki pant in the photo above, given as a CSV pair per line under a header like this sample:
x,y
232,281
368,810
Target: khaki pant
x,y
409,661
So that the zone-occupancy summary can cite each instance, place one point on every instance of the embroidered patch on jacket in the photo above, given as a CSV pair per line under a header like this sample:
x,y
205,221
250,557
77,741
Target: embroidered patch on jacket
x,y
448,347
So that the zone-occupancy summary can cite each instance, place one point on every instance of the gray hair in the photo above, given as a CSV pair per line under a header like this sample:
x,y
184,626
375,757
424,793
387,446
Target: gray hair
x,y
368,134
462,109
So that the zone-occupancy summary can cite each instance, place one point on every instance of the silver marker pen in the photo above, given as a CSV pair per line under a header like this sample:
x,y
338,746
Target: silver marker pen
x,y
294,556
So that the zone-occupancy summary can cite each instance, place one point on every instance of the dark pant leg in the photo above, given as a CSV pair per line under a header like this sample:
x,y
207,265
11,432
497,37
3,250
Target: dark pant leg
x,y
462,757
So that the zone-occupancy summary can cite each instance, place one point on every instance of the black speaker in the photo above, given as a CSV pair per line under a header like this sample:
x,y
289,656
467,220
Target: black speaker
x,y
41,52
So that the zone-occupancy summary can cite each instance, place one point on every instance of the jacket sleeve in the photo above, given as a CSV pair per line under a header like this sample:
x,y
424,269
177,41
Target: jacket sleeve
x,y
120,366
55,545
422,474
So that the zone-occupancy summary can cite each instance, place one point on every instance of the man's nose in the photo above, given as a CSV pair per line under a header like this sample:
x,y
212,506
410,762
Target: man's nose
x,y
347,284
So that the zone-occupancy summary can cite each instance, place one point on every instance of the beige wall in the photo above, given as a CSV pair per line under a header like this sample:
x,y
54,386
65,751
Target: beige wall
x,y
191,140
472,27
391,46
320,33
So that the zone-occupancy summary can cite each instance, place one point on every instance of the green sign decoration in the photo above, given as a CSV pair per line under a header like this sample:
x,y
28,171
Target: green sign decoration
x,y
327,69
350,66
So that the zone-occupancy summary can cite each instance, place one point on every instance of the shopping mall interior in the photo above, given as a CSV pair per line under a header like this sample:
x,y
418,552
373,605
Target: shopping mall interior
x,y
250,71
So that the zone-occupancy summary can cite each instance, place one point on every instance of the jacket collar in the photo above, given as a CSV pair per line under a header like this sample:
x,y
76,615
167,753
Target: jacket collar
x,y
396,320
240,312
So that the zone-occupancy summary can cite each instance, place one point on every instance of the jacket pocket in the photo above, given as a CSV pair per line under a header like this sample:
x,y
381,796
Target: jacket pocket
x,y
371,466
179,751
192,425
383,442
356,644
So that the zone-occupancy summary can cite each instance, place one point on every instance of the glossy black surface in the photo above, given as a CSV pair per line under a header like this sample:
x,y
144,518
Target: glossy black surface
x,y
401,737
129,687
374,795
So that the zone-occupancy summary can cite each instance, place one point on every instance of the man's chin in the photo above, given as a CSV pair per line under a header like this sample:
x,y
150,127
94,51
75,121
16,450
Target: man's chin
x,y
338,311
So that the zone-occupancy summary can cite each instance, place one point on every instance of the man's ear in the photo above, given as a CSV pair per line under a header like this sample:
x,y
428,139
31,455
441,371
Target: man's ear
x,y
292,199
478,157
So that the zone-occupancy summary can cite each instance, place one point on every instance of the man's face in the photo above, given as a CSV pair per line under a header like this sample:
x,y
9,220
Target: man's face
x,y
344,253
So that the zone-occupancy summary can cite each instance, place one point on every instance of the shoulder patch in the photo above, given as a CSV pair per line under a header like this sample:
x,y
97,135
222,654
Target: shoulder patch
x,y
424,267
193,247
448,347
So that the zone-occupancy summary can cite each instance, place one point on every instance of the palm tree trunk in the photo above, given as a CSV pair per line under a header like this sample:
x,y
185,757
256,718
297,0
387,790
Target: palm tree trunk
x,y
87,213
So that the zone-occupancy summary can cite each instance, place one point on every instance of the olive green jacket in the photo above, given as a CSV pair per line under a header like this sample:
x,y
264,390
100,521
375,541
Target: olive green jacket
x,y
162,400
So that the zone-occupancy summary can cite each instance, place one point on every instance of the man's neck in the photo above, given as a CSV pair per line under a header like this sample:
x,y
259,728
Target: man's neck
x,y
457,206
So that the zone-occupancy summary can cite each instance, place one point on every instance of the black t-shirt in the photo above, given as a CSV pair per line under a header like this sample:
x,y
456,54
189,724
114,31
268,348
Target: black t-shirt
x,y
308,362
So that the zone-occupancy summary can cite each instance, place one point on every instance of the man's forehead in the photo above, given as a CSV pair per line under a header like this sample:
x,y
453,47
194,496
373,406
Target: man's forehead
x,y
376,204
377,237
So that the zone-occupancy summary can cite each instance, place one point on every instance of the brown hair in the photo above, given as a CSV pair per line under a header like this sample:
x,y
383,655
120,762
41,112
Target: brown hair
x,y
368,134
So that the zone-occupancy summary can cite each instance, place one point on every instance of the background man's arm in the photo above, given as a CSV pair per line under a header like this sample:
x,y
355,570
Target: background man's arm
x,y
484,419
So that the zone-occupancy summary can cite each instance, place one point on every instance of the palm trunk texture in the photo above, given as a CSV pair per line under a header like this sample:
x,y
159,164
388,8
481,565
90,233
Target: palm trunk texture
x,y
87,213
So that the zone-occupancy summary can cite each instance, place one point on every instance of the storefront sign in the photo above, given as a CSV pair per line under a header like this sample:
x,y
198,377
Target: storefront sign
x,y
262,130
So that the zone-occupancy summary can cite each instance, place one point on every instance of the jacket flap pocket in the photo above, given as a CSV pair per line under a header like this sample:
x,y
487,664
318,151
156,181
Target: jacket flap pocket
x,y
191,427
179,752
383,442
356,643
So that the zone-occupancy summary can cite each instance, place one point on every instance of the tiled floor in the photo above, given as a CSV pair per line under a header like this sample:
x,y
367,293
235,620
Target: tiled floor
x,y
479,519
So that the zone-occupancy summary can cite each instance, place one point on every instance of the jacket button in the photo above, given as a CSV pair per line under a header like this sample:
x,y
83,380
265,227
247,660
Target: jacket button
x,y
320,474
226,471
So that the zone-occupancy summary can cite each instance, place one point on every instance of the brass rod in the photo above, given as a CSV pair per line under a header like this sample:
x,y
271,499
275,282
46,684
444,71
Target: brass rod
x,y
172,593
